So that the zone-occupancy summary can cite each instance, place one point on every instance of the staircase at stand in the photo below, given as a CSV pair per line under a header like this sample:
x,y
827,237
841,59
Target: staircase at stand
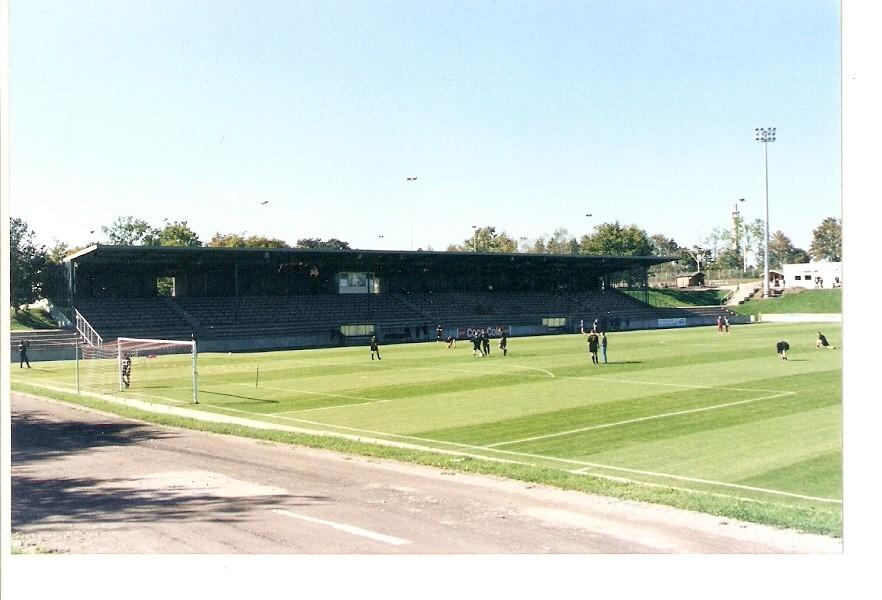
x,y
743,292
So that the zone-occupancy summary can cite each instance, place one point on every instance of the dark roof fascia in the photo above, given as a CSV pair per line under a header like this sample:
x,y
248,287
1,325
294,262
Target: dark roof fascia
x,y
100,250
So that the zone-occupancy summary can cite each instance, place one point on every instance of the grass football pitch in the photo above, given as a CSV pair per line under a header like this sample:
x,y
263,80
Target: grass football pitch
x,y
718,419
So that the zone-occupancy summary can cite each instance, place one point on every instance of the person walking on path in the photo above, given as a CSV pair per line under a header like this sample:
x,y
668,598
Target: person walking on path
x,y
23,353
375,348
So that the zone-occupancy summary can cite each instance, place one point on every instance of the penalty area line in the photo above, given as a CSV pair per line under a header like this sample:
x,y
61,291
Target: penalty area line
x,y
637,420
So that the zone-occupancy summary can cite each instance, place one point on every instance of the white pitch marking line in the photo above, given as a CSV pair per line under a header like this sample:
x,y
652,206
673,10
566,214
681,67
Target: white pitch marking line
x,y
583,464
325,394
373,535
305,410
475,371
639,419
565,460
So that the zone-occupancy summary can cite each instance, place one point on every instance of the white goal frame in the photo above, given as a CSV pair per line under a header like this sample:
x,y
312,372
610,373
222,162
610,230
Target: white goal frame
x,y
126,344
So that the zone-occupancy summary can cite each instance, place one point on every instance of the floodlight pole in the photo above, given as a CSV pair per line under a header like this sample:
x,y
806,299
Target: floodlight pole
x,y
766,135
411,179
475,227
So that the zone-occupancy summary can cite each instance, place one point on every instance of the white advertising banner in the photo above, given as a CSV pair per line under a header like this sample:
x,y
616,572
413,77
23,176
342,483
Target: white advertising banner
x,y
678,322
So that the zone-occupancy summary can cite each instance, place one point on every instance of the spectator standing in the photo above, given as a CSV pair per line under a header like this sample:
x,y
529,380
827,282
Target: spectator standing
x,y
603,346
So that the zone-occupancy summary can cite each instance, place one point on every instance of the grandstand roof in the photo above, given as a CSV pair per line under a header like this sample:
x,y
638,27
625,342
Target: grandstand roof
x,y
168,255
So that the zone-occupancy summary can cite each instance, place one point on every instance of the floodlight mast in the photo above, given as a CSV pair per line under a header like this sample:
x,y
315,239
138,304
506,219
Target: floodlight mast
x,y
766,135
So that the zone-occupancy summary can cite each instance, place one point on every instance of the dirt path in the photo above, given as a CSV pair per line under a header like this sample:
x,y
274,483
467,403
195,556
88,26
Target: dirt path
x,y
87,482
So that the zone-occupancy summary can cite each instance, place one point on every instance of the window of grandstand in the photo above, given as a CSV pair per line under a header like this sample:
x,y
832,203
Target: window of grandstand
x,y
358,283
165,286
356,330
554,321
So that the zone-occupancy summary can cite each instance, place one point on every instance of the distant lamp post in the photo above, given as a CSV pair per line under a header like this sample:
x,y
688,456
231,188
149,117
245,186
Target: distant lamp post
x,y
411,179
475,236
766,135
738,226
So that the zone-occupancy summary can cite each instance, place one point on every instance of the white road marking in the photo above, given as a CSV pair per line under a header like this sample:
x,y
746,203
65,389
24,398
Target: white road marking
x,y
373,535
638,419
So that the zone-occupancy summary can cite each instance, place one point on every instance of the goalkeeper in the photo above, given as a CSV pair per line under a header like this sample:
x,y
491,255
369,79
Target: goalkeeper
x,y
126,370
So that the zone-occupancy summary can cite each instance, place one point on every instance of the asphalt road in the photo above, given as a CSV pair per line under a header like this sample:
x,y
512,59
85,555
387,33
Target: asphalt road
x,y
88,482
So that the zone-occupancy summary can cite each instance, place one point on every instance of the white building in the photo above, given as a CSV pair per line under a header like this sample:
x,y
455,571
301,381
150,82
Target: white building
x,y
813,275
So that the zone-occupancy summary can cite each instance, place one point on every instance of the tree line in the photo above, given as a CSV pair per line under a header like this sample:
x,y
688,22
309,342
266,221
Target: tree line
x,y
35,270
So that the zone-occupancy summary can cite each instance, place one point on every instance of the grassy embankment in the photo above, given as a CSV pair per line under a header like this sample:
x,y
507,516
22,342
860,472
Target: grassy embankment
x,y
30,319
674,298
795,302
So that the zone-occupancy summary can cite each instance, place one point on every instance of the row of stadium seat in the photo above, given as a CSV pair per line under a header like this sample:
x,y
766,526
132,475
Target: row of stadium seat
x,y
226,317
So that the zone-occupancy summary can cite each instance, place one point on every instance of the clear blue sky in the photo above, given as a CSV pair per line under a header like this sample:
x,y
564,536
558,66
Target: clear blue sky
x,y
521,115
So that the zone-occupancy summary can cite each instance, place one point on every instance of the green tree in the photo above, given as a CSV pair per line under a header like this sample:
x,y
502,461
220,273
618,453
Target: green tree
x,y
178,234
782,251
755,241
315,243
827,240
561,242
239,240
611,239
487,240
28,263
664,246
129,231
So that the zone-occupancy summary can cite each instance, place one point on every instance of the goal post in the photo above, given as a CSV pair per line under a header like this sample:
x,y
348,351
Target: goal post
x,y
148,348
157,368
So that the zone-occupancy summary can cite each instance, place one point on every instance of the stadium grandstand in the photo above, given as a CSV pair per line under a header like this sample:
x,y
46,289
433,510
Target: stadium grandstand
x,y
238,299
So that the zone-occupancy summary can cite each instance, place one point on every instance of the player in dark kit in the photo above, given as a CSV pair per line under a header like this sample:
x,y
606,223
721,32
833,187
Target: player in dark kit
x,y
375,348
503,343
23,354
823,343
126,370
476,344
593,343
485,341
439,333
782,348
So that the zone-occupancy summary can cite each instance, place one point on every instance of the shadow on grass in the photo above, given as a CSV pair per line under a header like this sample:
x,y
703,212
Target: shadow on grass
x,y
249,398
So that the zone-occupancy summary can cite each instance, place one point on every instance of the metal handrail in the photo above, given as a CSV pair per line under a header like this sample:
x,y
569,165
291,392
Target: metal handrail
x,y
90,336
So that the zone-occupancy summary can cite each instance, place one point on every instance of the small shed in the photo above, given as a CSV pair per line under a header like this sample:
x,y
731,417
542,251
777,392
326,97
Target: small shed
x,y
690,280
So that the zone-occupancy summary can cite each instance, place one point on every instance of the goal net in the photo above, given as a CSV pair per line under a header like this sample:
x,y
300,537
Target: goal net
x,y
140,368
